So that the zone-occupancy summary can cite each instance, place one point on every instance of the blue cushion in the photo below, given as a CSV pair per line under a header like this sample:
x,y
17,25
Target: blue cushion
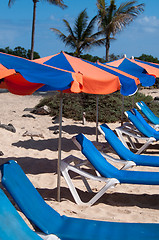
x,y
109,171
136,118
148,113
28,198
68,228
12,226
124,153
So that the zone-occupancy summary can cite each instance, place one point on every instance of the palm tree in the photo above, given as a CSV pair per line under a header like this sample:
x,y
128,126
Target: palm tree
x,y
55,2
111,19
81,37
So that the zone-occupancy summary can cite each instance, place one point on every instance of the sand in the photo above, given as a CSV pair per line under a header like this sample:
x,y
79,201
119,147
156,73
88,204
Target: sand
x,y
38,159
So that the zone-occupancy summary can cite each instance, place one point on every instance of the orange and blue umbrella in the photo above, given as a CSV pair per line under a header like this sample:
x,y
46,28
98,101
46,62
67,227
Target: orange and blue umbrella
x,y
97,79
129,66
151,68
30,76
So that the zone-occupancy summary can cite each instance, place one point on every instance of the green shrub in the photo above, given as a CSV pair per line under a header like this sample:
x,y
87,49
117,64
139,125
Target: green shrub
x,y
110,106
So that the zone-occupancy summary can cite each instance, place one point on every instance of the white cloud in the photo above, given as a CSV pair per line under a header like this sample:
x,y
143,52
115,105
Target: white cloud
x,y
149,24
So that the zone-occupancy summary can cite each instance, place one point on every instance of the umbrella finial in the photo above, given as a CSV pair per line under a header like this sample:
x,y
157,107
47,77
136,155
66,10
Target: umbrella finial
x,y
124,55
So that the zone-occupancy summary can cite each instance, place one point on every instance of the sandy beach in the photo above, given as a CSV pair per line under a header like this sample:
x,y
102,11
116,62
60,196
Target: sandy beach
x,y
38,158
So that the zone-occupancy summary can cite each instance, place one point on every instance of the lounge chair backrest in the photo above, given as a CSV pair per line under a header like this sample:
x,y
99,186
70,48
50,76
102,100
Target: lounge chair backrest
x,y
143,121
117,145
12,226
95,158
140,123
148,113
28,199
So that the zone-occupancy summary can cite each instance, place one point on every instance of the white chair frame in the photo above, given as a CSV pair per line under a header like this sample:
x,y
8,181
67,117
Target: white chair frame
x,y
66,167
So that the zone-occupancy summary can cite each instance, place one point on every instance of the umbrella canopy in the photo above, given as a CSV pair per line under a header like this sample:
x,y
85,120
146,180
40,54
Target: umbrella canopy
x,y
151,68
95,80
31,76
131,67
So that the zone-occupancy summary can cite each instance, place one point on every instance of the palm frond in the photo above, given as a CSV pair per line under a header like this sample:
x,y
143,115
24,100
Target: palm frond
x,y
59,34
80,24
59,3
68,27
128,8
89,29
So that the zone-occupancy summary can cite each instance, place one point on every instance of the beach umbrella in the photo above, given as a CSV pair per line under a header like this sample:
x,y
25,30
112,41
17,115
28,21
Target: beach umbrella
x,y
96,78
151,68
31,76
129,66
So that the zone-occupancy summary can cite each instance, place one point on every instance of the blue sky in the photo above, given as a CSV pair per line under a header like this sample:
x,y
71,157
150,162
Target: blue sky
x,y
141,36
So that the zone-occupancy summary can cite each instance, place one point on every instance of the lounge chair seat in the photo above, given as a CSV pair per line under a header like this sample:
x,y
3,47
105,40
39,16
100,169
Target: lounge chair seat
x,y
67,228
139,130
123,152
148,113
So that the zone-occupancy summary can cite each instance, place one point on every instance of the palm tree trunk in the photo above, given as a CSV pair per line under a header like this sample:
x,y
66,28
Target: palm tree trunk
x,y
107,49
33,29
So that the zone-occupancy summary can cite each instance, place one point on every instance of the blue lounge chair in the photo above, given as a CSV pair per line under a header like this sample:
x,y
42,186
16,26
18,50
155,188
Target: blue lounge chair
x,y
12,226
67,228
105,170
139,129
148,113
123,152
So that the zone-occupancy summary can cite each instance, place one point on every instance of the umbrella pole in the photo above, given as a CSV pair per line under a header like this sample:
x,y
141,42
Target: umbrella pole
x,y
97,98
122,111
59,149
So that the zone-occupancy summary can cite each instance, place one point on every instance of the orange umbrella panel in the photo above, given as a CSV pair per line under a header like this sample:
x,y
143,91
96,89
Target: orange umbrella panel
x,y
4,72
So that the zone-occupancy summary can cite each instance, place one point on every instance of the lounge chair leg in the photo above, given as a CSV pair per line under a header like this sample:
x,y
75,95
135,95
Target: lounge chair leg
x,y
68,180
65,168
131,143
111,183
121,137
86,184
145,146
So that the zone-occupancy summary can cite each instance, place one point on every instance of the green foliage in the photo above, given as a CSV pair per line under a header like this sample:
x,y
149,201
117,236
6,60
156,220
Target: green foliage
x,y
156,85
20,51
148,58
91,58
109,105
